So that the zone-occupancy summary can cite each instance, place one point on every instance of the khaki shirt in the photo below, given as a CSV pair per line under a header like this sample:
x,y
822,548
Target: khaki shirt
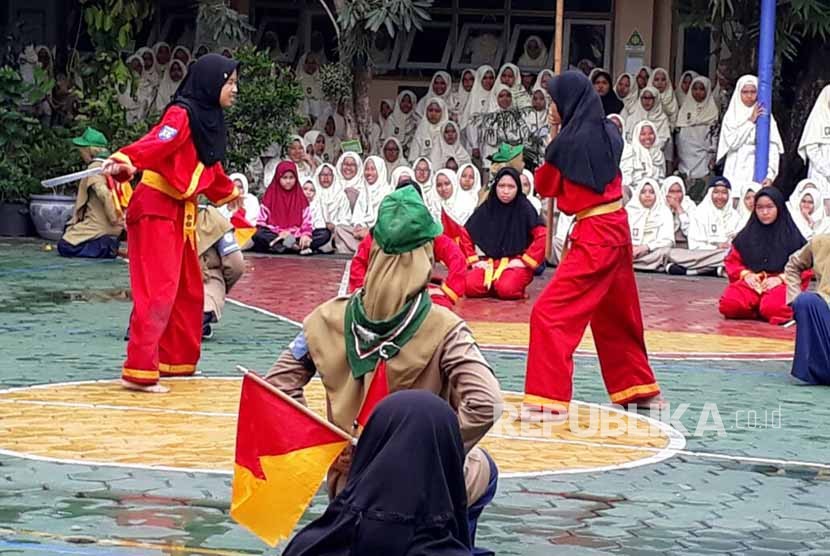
x,y
457,372
95,213
816,256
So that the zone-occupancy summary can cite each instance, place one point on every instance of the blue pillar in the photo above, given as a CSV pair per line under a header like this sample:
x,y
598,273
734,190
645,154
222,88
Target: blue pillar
x,y
766,75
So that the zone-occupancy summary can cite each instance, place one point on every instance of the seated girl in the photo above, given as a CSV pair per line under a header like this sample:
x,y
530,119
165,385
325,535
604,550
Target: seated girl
x,y
297,154
469,181
711,230
681,206
248,213
284,223
806,206
449,147
349,176
646,160
429,129
375,188
504,241
444,292
756,261
423,174
331,206
331,137
316,147
392,155
528,188
453,206
746,203
652,226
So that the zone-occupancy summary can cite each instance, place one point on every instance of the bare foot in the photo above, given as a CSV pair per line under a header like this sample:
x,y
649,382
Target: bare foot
x,y
656,403
538,414
149,388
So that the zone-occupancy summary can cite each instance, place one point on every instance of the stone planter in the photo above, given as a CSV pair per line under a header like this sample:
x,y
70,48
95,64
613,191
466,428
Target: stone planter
x,y
15,220
50,213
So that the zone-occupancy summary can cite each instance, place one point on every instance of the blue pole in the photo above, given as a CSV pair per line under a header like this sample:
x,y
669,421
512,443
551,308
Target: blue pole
x,y
766,75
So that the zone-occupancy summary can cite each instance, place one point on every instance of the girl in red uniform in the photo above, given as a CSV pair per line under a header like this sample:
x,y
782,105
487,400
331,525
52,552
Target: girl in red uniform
x,y
446,292
510,234
594,283
181,158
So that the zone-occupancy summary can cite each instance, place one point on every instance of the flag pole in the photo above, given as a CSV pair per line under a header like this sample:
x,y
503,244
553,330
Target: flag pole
x,y
557,69
766,74
297,405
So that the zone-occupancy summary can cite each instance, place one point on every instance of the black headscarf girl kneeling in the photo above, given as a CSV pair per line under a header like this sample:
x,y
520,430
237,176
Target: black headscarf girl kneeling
x,y
504,230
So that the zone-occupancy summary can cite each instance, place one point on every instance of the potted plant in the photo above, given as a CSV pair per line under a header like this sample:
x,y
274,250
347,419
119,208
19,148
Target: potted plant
x,y
51,154
15,188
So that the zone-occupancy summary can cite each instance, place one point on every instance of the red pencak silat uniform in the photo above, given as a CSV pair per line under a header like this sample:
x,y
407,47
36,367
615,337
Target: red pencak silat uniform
x,y
445,251
593,284
166,280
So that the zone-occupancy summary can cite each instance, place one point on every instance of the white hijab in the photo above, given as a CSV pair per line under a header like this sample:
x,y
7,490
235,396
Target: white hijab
x,y
719,224
398,172
330,199
161,69
371,195
446,98
667,98
743,212
541,60
656,116
804,188
537,119
250,203
694,113
427,133
479,99
678,90
149,77
459,207
687,204
462,95
310,83
391,166
531,195
644,157
443,151
357,181
817,128
644,221
167,87
630,101
400,125
494,98
427,186
520,97
476,189
738,114
182,49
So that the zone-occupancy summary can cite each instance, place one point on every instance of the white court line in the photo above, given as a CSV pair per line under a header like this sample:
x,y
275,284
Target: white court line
x,y
676,444
265,312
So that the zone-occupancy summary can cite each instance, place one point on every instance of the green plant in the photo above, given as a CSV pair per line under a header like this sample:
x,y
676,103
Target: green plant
x,y
16,185
360,20
266,109
336,80
111,24
221,26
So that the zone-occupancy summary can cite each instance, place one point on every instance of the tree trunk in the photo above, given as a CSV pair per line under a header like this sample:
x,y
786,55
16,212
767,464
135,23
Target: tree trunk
x,y
362,105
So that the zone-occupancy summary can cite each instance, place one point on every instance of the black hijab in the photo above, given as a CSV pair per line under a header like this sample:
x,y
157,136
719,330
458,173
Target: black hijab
x,y
405,494
611,103
767,247
588,148
503,230
199,95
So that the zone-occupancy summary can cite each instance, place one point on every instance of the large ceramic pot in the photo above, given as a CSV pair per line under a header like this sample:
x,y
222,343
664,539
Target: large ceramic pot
x,y
50,213
15,220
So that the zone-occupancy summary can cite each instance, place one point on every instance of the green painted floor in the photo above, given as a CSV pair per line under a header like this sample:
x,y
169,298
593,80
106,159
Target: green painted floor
x,y
64,320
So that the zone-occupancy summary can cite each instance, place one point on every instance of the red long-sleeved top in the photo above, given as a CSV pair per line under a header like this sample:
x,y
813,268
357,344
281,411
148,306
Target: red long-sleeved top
x,y
532,257
571,198
446,252
168,150
736,270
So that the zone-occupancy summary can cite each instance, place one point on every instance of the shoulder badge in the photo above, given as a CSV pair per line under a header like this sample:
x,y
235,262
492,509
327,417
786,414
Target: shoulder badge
x,y
167,133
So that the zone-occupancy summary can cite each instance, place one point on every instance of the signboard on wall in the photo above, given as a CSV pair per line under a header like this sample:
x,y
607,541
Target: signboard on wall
x,y
635,52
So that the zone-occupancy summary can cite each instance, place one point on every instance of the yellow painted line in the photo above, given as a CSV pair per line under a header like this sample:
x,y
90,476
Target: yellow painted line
x,y
94,423
123,543
518,335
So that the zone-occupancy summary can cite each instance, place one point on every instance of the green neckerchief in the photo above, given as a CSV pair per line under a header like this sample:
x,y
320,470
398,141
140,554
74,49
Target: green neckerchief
x,y
103,155
368,340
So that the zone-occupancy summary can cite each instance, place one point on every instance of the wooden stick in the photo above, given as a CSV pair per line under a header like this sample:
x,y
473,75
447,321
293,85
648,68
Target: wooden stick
x,y
288,399
557,69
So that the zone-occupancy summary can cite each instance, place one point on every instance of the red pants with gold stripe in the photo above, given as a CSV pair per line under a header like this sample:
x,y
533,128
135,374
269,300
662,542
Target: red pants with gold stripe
x,y
166,282
594,284
500,282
